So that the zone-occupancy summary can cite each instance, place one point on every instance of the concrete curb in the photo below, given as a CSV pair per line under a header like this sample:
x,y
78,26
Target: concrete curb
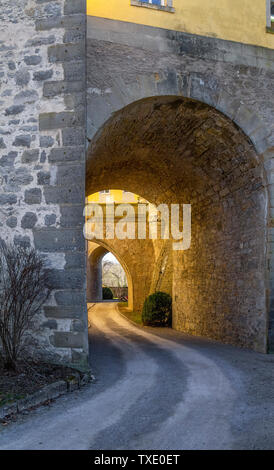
x,y
47,393
141,327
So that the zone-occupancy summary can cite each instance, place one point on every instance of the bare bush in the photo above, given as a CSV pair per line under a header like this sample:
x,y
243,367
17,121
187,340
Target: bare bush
x,y
23,291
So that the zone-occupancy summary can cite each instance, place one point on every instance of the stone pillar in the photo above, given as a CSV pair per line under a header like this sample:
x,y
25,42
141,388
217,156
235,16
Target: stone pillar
x,y
42,157
94,272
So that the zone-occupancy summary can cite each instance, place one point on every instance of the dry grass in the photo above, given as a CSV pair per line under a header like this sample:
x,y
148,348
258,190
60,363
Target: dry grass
x,y
133,316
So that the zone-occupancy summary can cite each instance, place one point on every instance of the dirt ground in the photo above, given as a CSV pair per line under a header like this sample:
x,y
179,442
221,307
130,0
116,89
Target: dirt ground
x,y
29,377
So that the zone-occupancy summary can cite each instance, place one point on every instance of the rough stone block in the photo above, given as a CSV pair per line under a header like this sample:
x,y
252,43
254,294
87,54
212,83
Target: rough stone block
x,y
51,239
7,198
80,358
30,156
11,222
50,121
52,89
43,157
52,9
66,52
78,326
15,109
69,298
22,176
68,22
51,324
42,75
43,178
32,59
29,220
74,35
72,216
63,312
62,339
50,219
64,195
38,41
73,136
46,141
11,65
74,70
59,155
22,141
22,77
32,400
26,96
33,196
56,389
8,160
75,260
21,240
67,174
75,101
74,6
61,279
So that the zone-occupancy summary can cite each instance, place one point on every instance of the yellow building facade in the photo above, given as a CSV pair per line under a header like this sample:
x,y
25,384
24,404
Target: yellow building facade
x,y
117,196
244,21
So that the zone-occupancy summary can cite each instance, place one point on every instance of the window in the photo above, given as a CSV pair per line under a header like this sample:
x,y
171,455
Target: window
x,y
163,5
270,16
105,191
155,2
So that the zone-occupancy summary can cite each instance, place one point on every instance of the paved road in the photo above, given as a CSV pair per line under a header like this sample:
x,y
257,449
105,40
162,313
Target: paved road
x,y
156,389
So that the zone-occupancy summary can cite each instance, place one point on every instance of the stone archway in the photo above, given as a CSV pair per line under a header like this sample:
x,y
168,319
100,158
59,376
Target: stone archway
x,y
94,271
178,150
96,251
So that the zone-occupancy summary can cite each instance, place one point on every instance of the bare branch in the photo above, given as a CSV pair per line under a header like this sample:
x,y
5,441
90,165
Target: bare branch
x,y
23,291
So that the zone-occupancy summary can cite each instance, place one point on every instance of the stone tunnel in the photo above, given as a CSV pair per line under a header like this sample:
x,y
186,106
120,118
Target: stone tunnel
x,y
177,150
181,120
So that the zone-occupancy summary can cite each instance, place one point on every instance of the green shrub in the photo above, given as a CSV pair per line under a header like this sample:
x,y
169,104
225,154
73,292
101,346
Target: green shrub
x,y
107,293
157,310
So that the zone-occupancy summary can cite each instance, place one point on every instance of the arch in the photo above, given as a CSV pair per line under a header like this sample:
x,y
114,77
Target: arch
x,y
97,250
179,150
199,87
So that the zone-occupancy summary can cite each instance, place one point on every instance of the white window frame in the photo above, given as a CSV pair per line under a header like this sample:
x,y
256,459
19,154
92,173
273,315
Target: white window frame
x,y
166,5
269,23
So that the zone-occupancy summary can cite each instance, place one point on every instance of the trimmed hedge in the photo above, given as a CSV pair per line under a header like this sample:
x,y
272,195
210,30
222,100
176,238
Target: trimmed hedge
x,y
157,310
107,293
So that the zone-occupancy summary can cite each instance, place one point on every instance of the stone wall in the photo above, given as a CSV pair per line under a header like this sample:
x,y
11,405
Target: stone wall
x,y
42,157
